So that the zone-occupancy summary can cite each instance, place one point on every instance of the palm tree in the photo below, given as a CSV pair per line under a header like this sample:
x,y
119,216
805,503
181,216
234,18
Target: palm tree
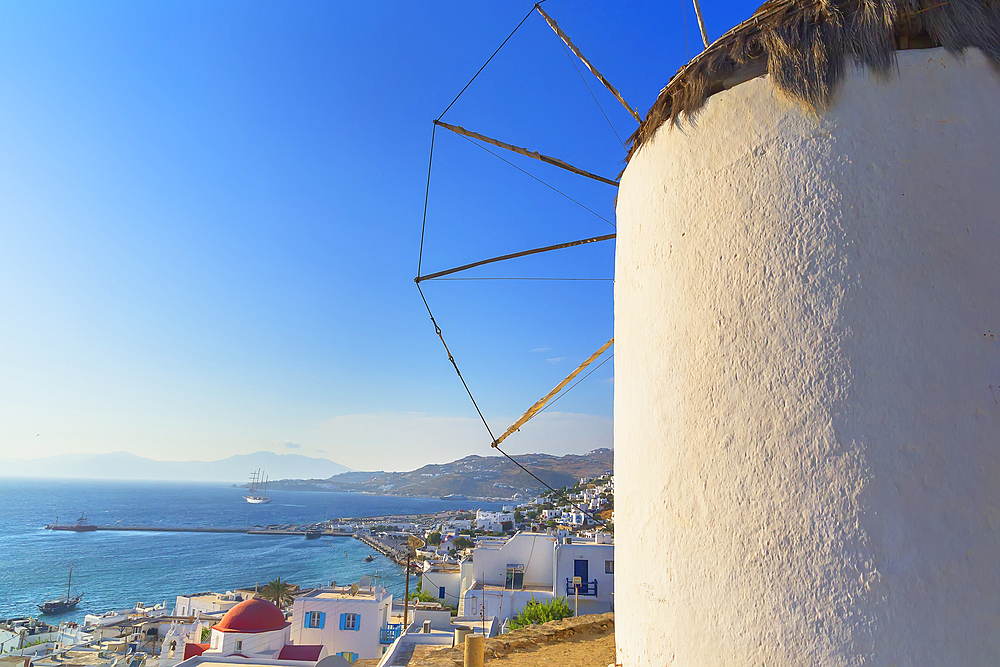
x,y
279,592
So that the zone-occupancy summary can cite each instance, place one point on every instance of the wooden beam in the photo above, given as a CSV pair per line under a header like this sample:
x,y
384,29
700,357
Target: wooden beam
x,y
556,162
536,408
593,70
523,253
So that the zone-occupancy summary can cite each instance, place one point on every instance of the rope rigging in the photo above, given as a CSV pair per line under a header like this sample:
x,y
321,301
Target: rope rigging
x,y
523,253
593,70
609,280
537,407
475,138
530,175
596,101
548,159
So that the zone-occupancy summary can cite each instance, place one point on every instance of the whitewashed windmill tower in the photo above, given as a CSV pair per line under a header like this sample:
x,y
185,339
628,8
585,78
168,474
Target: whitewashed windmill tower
x,y
807,328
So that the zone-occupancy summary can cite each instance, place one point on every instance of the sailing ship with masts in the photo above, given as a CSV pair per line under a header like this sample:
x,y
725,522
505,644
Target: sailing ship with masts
x,y
258,489
64,603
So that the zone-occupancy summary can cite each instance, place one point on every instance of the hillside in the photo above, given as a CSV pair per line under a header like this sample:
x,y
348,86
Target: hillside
x,y
473,476
123,465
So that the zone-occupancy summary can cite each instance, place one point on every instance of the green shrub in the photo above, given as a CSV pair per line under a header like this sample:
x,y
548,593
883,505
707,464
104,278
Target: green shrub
x,y
422,596
555,609
463,543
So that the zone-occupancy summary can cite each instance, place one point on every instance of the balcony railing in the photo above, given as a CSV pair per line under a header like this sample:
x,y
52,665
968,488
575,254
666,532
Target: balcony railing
x,y
390,633
588,588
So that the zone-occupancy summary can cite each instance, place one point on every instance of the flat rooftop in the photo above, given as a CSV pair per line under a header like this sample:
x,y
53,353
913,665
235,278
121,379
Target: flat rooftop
x,y
217,597
340,592
536,588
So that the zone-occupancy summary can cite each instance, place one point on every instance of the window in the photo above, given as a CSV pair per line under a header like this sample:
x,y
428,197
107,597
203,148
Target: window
x,y
349,622
441,593
609,567
349,656
314,619
239,645
515,577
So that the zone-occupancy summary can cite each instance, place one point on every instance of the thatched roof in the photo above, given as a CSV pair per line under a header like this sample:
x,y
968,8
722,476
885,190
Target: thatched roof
x,y
804,46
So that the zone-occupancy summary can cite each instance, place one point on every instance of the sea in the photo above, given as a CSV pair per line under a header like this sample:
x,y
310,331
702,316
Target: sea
x,y
115,570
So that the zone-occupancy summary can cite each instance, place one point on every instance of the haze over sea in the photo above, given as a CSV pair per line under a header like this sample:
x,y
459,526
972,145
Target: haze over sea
x,y
117,569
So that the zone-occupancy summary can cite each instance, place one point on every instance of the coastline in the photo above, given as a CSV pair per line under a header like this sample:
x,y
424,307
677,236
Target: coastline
x,y
116,569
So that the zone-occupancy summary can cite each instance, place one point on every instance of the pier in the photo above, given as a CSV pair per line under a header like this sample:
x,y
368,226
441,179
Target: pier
x,y
299,531
397,556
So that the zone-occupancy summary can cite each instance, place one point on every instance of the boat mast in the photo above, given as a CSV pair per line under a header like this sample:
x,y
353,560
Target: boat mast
x,y
69,586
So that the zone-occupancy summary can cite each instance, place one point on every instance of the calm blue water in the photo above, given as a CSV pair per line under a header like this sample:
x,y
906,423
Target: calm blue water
x,y
118,569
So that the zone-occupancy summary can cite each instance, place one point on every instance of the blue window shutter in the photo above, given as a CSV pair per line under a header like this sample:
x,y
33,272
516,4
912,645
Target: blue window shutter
x,y
357,621
322,619
343,621
441,592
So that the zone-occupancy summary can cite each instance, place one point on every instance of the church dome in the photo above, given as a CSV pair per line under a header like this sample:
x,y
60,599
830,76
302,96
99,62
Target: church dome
x,y
254,615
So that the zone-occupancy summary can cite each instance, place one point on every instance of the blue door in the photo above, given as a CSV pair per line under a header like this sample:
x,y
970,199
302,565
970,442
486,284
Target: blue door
x,y
580,569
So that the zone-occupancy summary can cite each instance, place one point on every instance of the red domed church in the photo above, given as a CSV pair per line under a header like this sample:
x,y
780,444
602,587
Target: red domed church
x,y
256,630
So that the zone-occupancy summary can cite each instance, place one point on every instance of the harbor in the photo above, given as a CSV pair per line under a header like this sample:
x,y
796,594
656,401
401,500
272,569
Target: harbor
x,y
294,531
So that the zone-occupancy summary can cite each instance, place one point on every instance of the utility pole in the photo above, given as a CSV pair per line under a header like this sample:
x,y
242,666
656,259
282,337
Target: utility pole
x,y
406,598
576,594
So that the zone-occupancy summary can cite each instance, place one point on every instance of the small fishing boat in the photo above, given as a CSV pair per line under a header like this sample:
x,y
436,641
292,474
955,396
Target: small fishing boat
x,y
64,603
369,558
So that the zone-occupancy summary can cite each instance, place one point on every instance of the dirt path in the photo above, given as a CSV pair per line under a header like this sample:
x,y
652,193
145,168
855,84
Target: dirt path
x,y
583,652
586,641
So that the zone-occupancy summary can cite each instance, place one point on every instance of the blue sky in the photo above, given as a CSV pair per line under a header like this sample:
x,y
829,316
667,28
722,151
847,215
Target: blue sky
x,y
211,213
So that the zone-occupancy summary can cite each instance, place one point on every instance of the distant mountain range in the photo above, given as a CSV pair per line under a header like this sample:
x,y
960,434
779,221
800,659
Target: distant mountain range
x,y
473,476
123,465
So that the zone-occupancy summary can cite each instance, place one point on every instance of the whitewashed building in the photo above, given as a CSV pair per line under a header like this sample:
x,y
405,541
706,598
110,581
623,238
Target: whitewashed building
x,y
178,635
443,580
197,604
807,345
351,621
493,521
502,576
254,631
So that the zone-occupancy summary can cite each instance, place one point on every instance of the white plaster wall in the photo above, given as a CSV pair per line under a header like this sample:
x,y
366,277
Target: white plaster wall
x,y
431,582
253,643
596,555
504,605
373,614
533,550
807,377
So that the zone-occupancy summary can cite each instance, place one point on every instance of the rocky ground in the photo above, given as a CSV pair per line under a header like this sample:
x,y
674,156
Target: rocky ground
x,y
586,641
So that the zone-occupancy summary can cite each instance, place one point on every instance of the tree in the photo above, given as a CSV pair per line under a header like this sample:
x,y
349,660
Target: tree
x,y
463,543
536,612
551,523
518,517
279,592
507,526
421,595
434,538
